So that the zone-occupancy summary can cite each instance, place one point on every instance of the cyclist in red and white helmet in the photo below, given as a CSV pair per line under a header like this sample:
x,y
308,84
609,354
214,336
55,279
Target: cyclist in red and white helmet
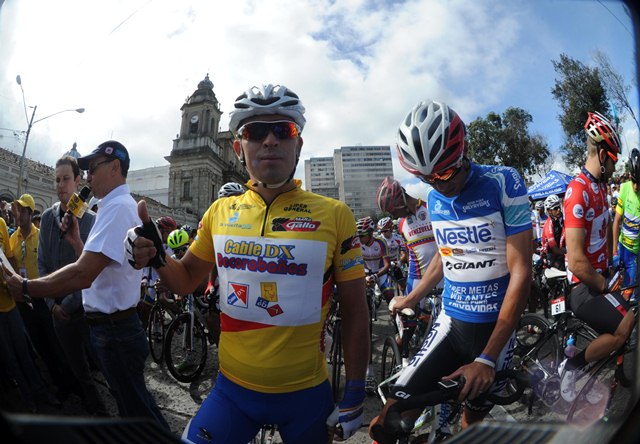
x,y
414,225
397,250
390,195
482,227
594,297
431,141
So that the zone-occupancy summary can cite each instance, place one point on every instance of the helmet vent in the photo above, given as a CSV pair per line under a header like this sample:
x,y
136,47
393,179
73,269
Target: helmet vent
x,y
455,131
407,156
417,143
267,101
433,128
435,151
423,115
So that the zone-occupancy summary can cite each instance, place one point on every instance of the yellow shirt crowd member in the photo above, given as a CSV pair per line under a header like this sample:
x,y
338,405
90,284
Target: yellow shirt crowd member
x,y
277,266
25,252
6,301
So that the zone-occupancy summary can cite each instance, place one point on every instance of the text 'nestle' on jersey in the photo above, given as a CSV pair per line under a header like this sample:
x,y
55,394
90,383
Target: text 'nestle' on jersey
x,y
471,232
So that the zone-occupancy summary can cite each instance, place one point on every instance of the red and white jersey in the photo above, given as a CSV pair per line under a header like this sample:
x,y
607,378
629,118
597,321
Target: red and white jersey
x,y
586,207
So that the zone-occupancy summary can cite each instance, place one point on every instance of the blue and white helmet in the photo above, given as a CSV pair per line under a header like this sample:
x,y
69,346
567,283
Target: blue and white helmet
x,y
267,100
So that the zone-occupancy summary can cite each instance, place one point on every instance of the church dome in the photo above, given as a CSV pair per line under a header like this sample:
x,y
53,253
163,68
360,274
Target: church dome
x,y
204,92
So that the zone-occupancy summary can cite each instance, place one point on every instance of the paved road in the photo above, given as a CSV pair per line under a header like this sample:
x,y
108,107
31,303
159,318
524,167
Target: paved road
x,y
180,401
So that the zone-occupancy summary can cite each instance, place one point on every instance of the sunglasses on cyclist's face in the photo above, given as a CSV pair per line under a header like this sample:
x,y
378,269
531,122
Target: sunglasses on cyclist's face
x,y
180,251
258,131
442,176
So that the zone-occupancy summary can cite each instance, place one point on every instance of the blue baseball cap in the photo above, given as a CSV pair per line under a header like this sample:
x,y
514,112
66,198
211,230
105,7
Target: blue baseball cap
x,y
111,149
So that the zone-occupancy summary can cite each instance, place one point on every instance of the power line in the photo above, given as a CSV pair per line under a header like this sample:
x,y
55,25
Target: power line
x,y
130,15
616,17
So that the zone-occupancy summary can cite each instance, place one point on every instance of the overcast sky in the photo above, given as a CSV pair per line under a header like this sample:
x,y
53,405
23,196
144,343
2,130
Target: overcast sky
x,y
358,65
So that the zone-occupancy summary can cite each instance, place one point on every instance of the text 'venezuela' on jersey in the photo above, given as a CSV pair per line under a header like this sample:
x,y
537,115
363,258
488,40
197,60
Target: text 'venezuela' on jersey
x,y
277,266
418,232
586,207
471,232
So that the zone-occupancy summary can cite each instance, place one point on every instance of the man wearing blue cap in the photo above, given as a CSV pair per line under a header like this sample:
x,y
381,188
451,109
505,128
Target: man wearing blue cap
x,y
110,286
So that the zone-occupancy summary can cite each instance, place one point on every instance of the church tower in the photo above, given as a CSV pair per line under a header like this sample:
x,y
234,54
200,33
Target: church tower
x,y
202,158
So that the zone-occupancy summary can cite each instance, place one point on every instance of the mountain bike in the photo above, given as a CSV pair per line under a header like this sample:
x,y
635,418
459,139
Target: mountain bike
x,y
412,329
266,435
540,349
336,360
185,344
159,318
599,396
402,429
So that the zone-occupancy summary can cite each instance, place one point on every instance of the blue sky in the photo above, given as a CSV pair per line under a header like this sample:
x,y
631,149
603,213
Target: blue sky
x,y
358,65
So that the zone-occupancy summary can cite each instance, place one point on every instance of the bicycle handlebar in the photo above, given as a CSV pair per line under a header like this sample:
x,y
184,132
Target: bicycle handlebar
x,y
394,422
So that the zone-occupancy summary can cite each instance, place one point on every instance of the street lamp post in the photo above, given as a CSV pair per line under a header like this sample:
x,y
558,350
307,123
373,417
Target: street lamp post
x,y
31,122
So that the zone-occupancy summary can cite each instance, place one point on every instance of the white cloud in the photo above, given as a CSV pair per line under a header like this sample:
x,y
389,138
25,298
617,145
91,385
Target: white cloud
x,y
358,66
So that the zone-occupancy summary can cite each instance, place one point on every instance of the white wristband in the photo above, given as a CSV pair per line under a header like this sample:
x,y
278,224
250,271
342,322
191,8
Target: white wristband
x,y
485,362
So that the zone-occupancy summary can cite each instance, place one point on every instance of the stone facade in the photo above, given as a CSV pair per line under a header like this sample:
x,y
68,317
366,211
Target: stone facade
x,y
202,158
39,180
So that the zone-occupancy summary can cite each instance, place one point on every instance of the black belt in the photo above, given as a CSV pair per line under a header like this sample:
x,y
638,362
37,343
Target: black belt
x,y
97,318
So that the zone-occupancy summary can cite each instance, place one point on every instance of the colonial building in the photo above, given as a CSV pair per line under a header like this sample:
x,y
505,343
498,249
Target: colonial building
x,y
201,161
202,158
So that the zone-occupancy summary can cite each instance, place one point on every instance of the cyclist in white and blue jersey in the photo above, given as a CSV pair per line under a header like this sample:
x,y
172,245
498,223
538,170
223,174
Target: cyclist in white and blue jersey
x,y
482,226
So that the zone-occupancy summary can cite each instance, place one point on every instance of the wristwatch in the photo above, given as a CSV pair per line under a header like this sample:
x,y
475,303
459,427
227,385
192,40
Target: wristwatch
x,y
25,290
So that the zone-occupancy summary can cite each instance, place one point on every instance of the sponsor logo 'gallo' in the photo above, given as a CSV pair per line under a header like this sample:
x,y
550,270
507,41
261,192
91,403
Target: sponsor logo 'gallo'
x,y
295,224
464,235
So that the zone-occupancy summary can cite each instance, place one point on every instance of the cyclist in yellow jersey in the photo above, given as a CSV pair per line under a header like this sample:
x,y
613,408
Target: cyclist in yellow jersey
x,y
279,251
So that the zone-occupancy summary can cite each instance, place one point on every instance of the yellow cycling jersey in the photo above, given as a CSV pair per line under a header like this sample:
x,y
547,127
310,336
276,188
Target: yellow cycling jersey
x,y
277,265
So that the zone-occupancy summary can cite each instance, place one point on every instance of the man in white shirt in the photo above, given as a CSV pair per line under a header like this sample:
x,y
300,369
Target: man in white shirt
x,y
110,286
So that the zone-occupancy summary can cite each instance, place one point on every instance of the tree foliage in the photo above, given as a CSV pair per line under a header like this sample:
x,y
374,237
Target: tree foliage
x,y
505,140
578,89
615,86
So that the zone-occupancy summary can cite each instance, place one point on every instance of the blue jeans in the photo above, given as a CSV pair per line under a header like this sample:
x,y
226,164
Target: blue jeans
x,y
122,348
16,358
630,262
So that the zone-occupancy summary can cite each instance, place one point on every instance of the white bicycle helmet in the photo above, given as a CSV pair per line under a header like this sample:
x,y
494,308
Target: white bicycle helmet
x,y
430,139
230,189
552,202
364,226
539,205
267,100
385,223
600,129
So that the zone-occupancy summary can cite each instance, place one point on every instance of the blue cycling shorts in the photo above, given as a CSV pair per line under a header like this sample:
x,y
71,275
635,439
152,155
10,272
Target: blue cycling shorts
x,y
232,414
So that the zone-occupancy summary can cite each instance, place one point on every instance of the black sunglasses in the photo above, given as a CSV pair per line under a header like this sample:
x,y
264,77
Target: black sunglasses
x,y
258,131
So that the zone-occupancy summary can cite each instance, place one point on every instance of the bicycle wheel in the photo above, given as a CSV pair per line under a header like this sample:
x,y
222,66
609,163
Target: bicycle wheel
x,y
391,360
185,348
335,360
155,333
535,342
600,396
